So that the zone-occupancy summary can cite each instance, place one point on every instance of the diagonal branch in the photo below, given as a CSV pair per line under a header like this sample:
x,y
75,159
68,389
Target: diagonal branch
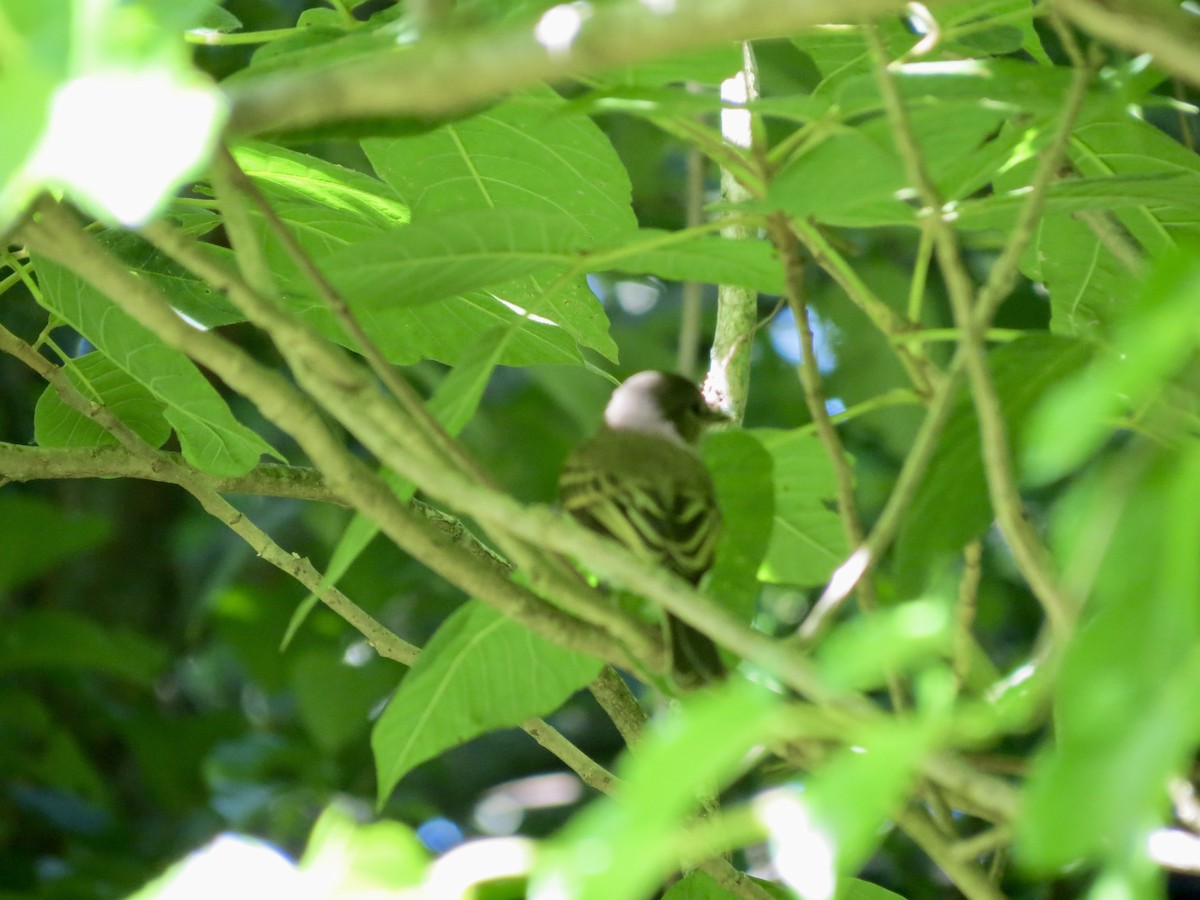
x,y
447,75
1031,556
57,234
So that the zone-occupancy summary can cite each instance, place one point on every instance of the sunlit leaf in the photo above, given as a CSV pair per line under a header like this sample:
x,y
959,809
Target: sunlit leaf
x,y
622,845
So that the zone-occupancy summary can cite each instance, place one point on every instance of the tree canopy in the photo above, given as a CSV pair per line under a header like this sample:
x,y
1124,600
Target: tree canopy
x,y
303,306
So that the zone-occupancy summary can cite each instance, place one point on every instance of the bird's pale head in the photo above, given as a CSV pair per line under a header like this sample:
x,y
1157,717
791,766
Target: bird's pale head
x,y
662,404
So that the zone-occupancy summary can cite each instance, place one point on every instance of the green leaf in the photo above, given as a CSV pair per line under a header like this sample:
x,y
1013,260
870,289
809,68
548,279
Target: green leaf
x,y
436,258
841,53
1087,283
807,541
448,330
217,18
997,83
527,153
57,639
35,535
697,885
188,294
741,470
1152,340
1129,146
951,506
326,206
57,425
349,859
710,65
211,438
846,179
713,260
621,846
481,671
1125,705
37,61
1154,189
843,806
860,654
335,700
857,889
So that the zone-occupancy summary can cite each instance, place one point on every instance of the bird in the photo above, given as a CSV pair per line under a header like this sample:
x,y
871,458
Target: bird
x,y
640,481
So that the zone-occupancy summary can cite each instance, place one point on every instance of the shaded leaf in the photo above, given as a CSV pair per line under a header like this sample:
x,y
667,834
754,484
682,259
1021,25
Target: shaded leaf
x,y
57,425
481,671
37,535
1152,340
56,639
951,506
211,438
741,470
807,541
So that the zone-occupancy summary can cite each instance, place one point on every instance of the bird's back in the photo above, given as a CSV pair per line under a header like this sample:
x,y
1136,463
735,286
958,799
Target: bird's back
x,y
647,492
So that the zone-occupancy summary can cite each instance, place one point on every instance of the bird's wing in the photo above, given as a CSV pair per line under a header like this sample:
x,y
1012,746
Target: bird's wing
x,y
674,523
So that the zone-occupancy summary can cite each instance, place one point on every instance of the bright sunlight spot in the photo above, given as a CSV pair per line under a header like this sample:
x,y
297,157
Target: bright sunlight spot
x,y
800,850
524,313
559,26
1174,849
124,141
735,123
234,867
846,576
453,875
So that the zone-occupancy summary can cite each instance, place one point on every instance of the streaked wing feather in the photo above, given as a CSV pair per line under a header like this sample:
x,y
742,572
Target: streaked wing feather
x,y
668,524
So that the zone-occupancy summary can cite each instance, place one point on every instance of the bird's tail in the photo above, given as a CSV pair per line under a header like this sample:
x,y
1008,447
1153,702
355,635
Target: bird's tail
x,y
694,657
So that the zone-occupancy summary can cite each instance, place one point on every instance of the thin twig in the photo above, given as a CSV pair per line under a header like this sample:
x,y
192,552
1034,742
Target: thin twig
x,y
964,874
589,771
921,372
615,698
690,315
964,610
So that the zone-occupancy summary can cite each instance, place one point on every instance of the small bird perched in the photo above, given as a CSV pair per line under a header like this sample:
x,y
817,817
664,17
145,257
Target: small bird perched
x,y
641,482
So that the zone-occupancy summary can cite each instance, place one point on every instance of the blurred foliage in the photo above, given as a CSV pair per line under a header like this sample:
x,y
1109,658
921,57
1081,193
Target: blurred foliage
x,y
176,716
